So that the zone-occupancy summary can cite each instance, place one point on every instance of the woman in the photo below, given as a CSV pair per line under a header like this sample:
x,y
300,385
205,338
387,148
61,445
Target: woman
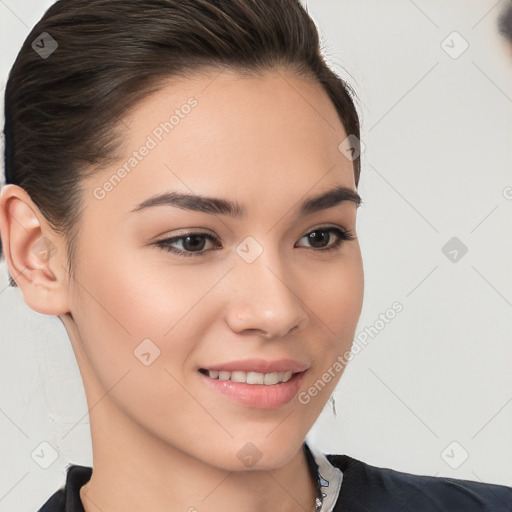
x,y
182,193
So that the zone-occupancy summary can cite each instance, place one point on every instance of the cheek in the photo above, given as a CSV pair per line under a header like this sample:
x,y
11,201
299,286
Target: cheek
x,y
334,308
122,320
142,297
120,307
335,300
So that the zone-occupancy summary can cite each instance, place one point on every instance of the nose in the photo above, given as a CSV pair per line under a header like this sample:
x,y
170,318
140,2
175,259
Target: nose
x,y
264,300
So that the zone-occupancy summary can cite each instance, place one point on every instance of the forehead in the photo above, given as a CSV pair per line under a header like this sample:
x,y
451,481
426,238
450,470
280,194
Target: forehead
x,y
222,133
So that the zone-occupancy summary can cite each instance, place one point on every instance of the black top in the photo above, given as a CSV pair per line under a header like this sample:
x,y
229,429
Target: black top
x,y
364,488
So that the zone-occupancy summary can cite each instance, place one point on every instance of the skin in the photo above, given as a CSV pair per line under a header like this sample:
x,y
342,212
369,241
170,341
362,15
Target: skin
x,y
159,435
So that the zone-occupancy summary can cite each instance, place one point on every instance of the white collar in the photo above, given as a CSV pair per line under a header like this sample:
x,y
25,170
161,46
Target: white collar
x,y
330,479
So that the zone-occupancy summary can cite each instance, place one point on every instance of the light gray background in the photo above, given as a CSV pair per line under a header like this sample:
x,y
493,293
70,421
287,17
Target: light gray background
x,y
437,165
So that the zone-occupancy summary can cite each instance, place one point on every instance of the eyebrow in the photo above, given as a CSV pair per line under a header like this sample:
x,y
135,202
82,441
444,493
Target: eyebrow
x,y
216,206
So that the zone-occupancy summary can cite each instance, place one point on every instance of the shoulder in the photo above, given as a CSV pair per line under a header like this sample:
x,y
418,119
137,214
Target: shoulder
x,y
369,488
67,498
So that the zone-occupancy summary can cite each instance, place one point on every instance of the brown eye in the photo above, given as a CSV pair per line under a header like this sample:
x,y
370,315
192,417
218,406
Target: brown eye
x,y
192,243
320,238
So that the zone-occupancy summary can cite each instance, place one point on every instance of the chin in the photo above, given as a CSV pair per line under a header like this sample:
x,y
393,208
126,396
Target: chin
x,y
258,455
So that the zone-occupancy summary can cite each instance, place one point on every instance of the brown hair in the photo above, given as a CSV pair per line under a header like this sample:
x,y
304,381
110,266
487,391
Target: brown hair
x,y
63,109
505,22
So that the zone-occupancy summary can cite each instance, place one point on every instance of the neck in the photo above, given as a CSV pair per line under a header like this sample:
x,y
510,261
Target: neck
x,y
132,470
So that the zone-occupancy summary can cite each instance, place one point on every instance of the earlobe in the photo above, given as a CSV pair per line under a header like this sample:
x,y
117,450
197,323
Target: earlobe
x,y
32,258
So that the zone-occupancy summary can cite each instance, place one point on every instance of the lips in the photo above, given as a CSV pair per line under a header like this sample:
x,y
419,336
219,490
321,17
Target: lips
x,y
261,396
240,381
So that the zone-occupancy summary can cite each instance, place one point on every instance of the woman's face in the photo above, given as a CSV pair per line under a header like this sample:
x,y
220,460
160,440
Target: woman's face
x,y
254,285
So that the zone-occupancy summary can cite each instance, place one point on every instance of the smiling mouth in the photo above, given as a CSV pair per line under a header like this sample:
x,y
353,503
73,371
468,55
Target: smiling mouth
x,y
270,390
266,379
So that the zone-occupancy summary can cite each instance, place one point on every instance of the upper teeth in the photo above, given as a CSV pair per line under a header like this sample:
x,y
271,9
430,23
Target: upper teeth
x,y
251,377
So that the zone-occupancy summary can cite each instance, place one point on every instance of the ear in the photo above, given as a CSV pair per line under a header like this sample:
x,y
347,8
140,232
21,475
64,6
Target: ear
x,y
34,254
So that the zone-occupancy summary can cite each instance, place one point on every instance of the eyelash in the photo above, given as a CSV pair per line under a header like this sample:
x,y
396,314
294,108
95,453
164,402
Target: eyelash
x,y
343,234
